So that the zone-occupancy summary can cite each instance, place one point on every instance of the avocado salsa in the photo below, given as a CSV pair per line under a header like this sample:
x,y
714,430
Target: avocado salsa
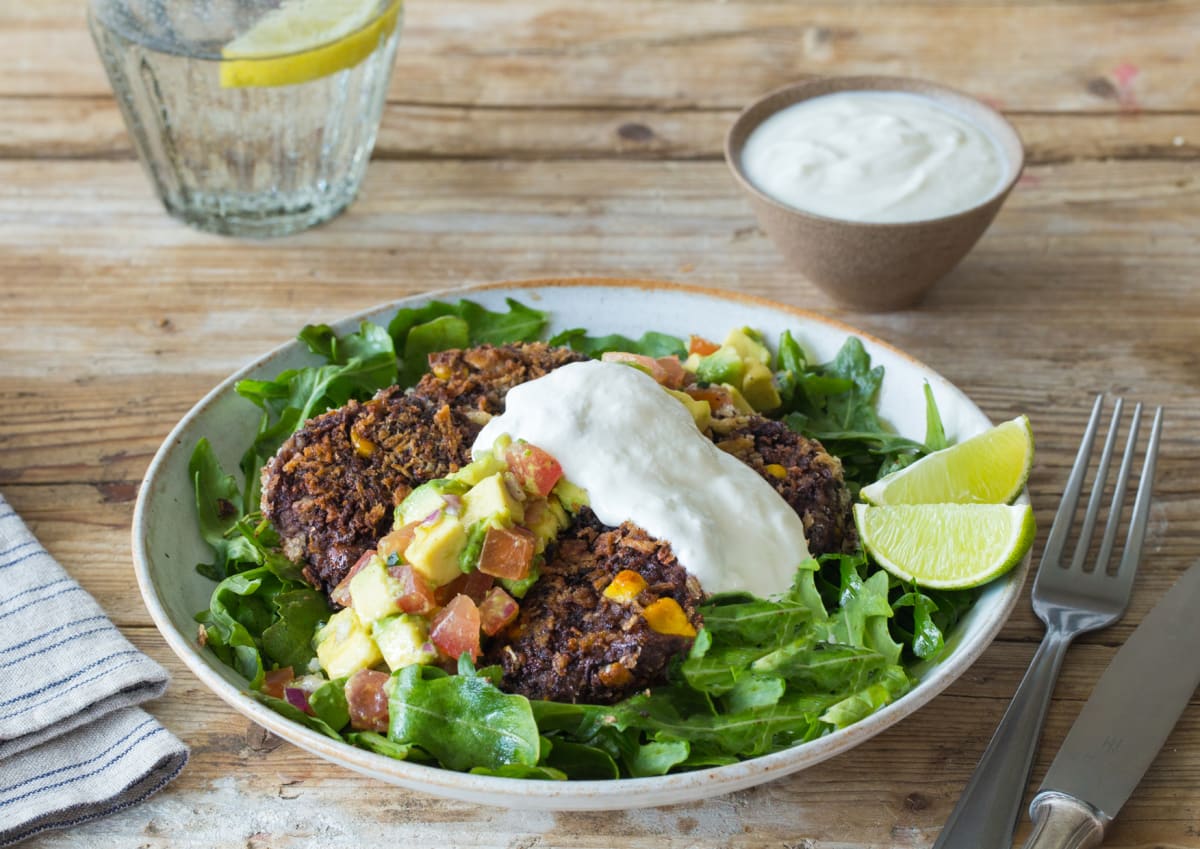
x,y
395,658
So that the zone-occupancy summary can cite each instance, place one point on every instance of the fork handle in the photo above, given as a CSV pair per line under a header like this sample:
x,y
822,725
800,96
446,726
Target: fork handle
x,y
987,812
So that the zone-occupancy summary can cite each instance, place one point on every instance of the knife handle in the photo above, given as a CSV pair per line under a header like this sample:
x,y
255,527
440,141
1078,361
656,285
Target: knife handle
x,y
1061,821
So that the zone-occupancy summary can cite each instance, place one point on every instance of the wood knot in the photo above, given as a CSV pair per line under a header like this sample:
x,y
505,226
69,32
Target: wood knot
x,y
117,492
261,741
916,802
1102,87
635,132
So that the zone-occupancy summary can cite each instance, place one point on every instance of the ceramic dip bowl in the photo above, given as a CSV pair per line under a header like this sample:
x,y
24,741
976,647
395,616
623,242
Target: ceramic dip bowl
x,y
875,266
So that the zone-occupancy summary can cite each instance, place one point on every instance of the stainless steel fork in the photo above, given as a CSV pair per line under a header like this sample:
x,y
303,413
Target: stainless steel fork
x,y
1070,601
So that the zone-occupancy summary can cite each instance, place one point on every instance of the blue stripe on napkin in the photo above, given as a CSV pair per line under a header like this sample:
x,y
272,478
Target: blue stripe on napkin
x,y
72,744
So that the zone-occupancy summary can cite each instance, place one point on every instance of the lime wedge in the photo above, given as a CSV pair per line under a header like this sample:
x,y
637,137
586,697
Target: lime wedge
x,y
946,546
304,40
990,468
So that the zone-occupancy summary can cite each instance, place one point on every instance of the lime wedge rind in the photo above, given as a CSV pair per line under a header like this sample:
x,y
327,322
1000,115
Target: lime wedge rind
x,y
946,546
989,468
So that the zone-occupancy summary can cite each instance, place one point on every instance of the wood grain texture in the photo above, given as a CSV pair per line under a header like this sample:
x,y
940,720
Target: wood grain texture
x,y
90,128
533,138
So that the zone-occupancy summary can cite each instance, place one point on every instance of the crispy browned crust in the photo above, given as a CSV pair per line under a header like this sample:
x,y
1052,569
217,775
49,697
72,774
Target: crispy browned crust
x,y
478,378
812,483
570,643
331,497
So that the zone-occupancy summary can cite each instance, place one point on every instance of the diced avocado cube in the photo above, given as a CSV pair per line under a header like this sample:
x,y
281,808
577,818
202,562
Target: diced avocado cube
x,y
487,465
468,558
518,587
435,549
739,400
749,345
426,499
373,592
490,501
701,410
723,365
344,645
404,640
758,387
545,518
570,496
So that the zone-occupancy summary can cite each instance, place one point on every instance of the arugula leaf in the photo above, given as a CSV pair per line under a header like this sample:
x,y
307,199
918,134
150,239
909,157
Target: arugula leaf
x,y
755,691
217,498
580,761
288,640
378,744
835,403
462,720
438,326
891,684
519,324
440,334
925,637
935,433
658,758
544,773
651,344
753,622
296,715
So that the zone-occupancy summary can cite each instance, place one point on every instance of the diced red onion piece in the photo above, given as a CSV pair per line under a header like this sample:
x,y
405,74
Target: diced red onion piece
x,y
298,699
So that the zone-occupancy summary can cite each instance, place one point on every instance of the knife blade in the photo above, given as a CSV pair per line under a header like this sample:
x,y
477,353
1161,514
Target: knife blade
x,y
1124,723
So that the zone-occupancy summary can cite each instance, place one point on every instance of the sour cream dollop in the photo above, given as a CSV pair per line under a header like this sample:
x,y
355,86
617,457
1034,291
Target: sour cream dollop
x,y
638,453
873,156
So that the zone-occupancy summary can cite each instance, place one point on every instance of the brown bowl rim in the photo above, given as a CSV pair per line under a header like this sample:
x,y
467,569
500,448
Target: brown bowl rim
x,y
866,82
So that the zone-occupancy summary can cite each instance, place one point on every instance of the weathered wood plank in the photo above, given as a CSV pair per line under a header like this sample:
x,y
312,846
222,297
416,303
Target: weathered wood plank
x,y
91,128
680,53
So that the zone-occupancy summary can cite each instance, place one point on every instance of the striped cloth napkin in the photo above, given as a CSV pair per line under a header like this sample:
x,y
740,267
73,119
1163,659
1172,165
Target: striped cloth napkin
x,y
72,745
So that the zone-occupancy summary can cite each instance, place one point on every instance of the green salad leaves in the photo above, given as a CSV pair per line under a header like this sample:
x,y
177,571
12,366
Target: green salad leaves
x,y
762,674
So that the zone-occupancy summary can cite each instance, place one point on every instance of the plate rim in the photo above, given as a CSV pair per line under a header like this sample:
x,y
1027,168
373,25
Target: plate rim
x,y
608,794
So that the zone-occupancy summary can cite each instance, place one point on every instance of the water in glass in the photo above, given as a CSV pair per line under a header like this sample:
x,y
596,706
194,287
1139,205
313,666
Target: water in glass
x,y
248,160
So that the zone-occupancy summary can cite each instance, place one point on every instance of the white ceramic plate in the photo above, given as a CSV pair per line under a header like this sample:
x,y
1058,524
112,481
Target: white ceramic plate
x,y
167,544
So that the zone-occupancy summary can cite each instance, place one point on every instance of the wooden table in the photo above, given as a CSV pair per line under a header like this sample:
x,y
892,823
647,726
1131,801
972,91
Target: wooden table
x,y
532,138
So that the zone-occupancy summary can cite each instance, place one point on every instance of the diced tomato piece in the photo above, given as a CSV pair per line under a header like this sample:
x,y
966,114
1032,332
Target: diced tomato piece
x,y
507,553
537,470
496,611
700,345
667,371
474,585
397,541
274,682
455,629
340,595
367,700
416,596
716,396
675,374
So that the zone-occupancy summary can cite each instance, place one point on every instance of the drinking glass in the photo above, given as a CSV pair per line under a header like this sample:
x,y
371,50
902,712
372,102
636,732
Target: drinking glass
x,y
259,146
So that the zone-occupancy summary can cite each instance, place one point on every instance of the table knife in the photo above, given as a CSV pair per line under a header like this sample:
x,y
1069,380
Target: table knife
x,y
1125,722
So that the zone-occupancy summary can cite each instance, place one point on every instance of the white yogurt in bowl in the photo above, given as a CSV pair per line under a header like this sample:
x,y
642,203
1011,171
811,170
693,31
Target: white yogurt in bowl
x,y
874,157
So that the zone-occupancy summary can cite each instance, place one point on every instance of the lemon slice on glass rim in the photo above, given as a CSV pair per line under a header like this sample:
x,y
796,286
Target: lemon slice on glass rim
x,y
304,40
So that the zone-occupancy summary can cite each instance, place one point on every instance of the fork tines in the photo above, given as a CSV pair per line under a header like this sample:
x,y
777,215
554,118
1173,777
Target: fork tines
x,y
1064,518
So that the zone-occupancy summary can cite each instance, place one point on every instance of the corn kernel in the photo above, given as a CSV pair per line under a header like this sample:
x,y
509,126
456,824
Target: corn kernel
x,y
666,617
625,587
776,471
362,446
